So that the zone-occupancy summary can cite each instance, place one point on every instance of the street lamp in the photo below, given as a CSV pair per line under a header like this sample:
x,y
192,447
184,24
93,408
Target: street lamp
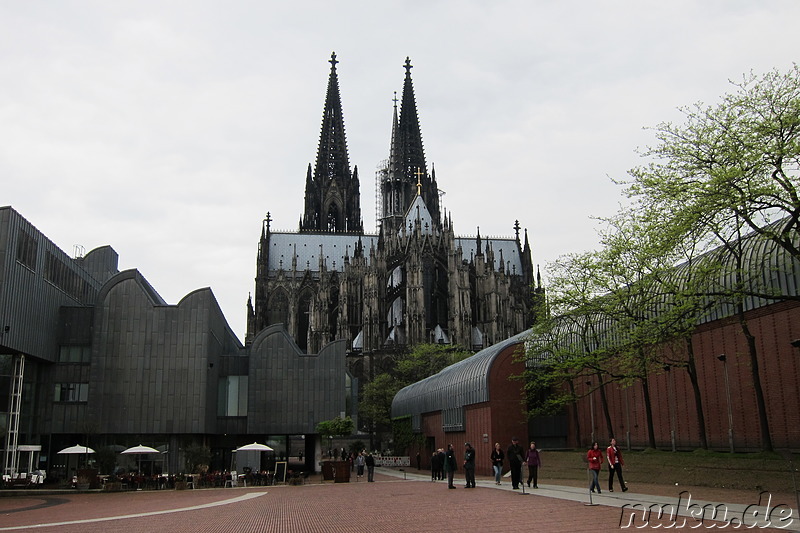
x,y
670,396
724,360
591,410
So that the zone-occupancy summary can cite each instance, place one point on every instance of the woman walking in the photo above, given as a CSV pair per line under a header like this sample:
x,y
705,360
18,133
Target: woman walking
x,y
497,462
595,458
615,464
534,462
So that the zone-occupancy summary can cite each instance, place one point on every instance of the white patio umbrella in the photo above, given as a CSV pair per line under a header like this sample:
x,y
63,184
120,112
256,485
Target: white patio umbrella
x,y
77,450
255,447
138,451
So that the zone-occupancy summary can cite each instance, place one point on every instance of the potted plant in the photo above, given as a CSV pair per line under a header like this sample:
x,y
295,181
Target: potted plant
x,y
113,484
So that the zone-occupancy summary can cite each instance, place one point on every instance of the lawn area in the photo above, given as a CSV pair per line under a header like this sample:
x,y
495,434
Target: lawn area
x,y
701,468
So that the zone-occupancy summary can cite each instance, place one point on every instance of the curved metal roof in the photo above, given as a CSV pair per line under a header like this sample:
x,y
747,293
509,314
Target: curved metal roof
x,y
763,270
458,385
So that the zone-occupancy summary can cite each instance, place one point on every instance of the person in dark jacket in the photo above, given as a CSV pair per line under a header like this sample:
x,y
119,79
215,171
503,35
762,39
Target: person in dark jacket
x,y
435,466
497,462
450,465
533,461
370,461
469,465
515,458
440,473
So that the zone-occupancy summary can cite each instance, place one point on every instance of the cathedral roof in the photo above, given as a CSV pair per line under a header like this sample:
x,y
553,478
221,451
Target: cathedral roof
x,y
418,215
333,247
506,249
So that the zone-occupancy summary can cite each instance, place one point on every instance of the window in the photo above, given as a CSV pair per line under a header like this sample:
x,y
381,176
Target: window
x,y
74,354
72,392
62,276
27,248
232,396
278,308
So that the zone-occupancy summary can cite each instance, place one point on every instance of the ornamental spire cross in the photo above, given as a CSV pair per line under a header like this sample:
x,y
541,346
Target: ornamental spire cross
x,y
419,174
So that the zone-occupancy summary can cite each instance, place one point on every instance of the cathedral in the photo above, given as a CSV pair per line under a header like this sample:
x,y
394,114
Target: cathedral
x,y
414,281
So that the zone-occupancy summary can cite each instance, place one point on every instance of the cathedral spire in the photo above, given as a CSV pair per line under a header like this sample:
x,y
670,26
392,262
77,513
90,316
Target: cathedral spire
x,y
410,150
333,200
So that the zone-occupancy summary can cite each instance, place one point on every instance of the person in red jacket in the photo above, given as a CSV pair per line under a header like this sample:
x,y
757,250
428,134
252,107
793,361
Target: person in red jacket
x,y
595,458
615,464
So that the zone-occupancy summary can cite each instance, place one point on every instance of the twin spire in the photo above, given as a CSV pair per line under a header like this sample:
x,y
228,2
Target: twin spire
x,y
332,202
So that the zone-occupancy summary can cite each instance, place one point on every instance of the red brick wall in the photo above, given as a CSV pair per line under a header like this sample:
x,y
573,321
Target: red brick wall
x,y
499,419
774,327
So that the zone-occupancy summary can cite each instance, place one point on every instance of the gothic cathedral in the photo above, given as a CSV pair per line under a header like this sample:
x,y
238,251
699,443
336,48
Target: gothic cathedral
x,y
413,282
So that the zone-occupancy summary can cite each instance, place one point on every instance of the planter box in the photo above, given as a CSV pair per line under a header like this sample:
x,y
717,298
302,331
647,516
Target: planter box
x,y
113,487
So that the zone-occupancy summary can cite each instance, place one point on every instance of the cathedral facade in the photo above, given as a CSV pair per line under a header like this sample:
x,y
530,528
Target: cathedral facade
x,y
413,281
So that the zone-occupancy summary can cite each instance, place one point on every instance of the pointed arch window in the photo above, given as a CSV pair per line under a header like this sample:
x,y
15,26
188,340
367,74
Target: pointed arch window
x,y
333,218
278,308
303,320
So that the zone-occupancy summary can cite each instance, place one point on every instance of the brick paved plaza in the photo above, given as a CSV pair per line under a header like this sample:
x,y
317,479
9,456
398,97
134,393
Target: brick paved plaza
x,y
391,504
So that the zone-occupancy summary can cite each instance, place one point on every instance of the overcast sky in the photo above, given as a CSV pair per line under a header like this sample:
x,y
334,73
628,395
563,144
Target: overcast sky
x,y
168,129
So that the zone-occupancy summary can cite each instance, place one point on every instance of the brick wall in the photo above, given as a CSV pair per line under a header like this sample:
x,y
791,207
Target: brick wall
x,y
672,397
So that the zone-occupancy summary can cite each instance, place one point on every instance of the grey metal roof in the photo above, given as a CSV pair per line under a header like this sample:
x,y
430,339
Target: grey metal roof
x,y
765,268
283,246
418,215
508,247
458,385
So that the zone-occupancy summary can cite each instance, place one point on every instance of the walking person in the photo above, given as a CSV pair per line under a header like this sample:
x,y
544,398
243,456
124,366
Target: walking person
x,y
497,462
370,462
435,466
514,454
450,465
360,464
615,464
595,458
469,465
533,461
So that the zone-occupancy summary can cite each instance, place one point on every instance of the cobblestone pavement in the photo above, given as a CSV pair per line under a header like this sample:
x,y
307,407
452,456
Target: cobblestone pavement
x,y
397,502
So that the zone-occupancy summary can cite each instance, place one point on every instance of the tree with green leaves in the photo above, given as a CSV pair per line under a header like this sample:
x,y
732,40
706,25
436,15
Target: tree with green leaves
x,y
729,170
336,427
420,362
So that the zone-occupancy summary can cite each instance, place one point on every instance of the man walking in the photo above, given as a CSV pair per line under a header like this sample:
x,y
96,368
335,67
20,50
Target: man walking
x,y
514,454
469,466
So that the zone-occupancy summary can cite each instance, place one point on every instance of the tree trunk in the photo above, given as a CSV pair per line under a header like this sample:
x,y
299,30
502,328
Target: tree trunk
x,y
604,402
575,419
691,369
648,410
766,439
